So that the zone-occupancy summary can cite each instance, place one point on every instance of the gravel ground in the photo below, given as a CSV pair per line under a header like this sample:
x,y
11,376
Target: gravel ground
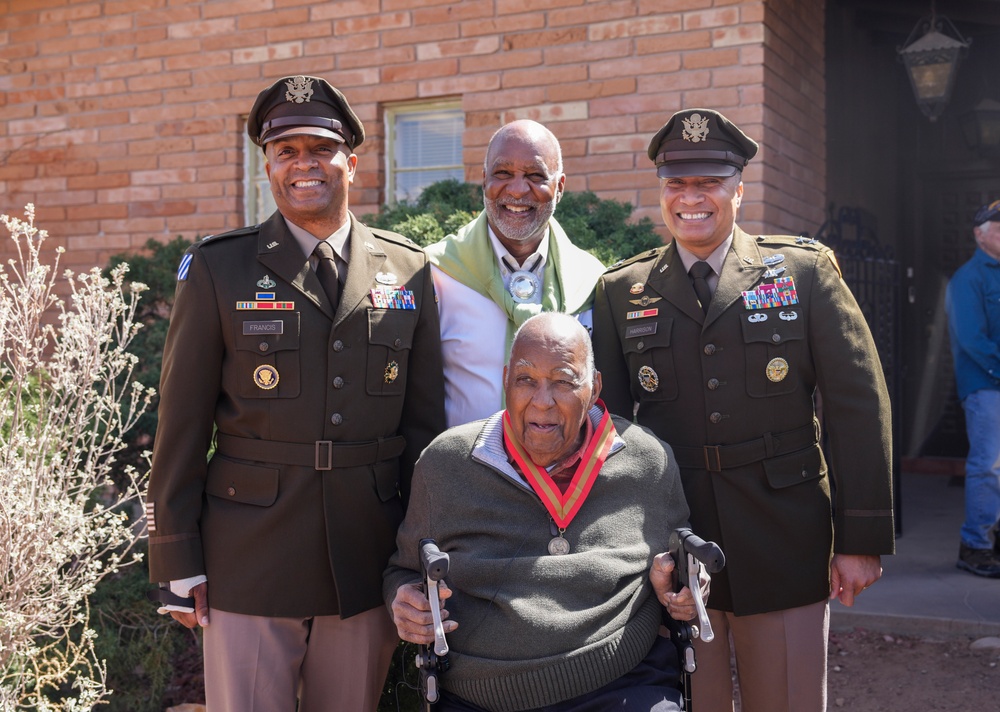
x,y
871,672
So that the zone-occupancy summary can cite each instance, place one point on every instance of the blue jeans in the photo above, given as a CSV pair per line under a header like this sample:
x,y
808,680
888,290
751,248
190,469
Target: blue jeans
x,y
982,468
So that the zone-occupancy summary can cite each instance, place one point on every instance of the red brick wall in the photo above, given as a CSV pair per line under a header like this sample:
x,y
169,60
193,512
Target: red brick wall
x,y
121,120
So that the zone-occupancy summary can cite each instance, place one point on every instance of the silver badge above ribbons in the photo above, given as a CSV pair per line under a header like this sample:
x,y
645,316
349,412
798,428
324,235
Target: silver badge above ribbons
x,y
523,286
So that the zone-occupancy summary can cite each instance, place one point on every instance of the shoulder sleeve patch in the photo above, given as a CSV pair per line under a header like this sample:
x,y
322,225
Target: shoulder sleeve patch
x,y
185,265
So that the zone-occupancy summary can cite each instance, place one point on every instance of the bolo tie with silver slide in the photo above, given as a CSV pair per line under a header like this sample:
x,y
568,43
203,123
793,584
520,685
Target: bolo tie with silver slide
x,y
524,283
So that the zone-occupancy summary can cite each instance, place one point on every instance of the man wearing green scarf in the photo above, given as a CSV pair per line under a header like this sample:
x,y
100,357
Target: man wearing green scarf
x,y
510,263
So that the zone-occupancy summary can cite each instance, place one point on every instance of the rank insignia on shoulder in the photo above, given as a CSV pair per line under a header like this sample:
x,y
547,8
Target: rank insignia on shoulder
x,y
648,379
393,298
265,376
185,265
768,296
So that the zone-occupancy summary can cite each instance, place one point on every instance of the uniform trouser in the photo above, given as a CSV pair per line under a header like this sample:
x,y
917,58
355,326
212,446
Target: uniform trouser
x,y
982,468
780,661
263,664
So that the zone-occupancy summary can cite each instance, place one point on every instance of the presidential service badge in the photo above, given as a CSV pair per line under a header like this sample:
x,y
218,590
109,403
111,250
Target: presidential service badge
x,y
265,376
648,379
777,369
391,371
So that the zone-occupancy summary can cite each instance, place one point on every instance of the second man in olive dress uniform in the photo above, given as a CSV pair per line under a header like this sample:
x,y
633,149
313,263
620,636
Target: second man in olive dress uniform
x,y
720,340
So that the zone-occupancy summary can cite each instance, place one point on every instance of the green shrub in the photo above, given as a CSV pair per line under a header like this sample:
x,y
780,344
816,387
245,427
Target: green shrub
x,y
598,225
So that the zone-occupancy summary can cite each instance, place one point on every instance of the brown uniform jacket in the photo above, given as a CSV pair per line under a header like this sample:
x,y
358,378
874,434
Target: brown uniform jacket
x,y
275,535
732,392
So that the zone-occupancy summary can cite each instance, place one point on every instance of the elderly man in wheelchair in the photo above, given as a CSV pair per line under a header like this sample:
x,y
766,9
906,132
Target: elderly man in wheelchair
x,y
554,519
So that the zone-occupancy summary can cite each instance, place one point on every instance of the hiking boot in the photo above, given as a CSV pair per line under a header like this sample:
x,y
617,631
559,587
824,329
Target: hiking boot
x,y
981,562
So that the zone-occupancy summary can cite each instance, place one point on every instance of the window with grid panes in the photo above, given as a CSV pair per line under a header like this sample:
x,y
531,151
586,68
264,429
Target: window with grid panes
x,y
423,146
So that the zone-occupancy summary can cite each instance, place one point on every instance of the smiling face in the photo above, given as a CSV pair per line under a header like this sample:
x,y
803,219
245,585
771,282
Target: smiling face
x,y
549,385
310,176
522,182
700,211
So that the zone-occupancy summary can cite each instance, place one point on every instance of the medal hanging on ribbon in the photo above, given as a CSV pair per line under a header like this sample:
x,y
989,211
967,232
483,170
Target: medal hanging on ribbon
x,y
562,507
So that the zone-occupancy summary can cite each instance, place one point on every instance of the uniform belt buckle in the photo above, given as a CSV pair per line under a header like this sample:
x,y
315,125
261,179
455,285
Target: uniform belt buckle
x,y
324,455
713,458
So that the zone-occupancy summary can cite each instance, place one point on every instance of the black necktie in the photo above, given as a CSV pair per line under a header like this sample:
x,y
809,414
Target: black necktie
x,y
326,270
699,271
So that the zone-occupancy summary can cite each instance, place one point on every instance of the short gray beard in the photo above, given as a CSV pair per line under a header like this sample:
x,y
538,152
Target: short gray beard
x,y
520,233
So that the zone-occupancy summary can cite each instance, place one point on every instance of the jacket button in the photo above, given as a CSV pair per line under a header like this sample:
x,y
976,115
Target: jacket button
x,y
263,346
715,417
397,343
338,345
336,419
776,338
231,491
713,383
639,346
338,382
709,349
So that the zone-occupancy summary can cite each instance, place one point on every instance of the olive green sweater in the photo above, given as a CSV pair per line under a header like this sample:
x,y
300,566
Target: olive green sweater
x,y
536,629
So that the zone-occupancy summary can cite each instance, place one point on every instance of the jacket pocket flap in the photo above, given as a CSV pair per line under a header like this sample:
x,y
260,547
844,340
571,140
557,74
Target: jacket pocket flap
x,y
795,467
242,482
392,328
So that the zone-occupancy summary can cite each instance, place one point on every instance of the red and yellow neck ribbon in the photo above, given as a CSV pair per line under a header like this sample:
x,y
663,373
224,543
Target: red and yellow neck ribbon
x,y
563,507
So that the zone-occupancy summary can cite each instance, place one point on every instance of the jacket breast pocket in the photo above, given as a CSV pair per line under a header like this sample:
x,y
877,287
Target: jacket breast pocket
x,y
242,482
267,354
390,338
650,360
772,338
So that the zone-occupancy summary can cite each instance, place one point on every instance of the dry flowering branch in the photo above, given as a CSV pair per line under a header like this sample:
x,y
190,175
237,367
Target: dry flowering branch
x,y
66,399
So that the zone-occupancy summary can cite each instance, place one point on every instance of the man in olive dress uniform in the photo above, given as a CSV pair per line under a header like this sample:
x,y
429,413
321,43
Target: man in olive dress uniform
x,y
718,342
306,349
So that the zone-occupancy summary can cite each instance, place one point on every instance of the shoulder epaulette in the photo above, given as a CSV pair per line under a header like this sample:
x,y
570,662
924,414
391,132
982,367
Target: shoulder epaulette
x,y
641,257
248,230
809,243
395,238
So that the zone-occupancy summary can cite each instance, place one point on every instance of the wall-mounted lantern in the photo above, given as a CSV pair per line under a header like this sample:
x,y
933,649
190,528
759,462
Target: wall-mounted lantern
x,y
931,62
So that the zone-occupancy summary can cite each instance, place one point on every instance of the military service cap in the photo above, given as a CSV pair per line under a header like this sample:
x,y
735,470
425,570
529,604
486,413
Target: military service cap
x,y
296,106
987,213
700,142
